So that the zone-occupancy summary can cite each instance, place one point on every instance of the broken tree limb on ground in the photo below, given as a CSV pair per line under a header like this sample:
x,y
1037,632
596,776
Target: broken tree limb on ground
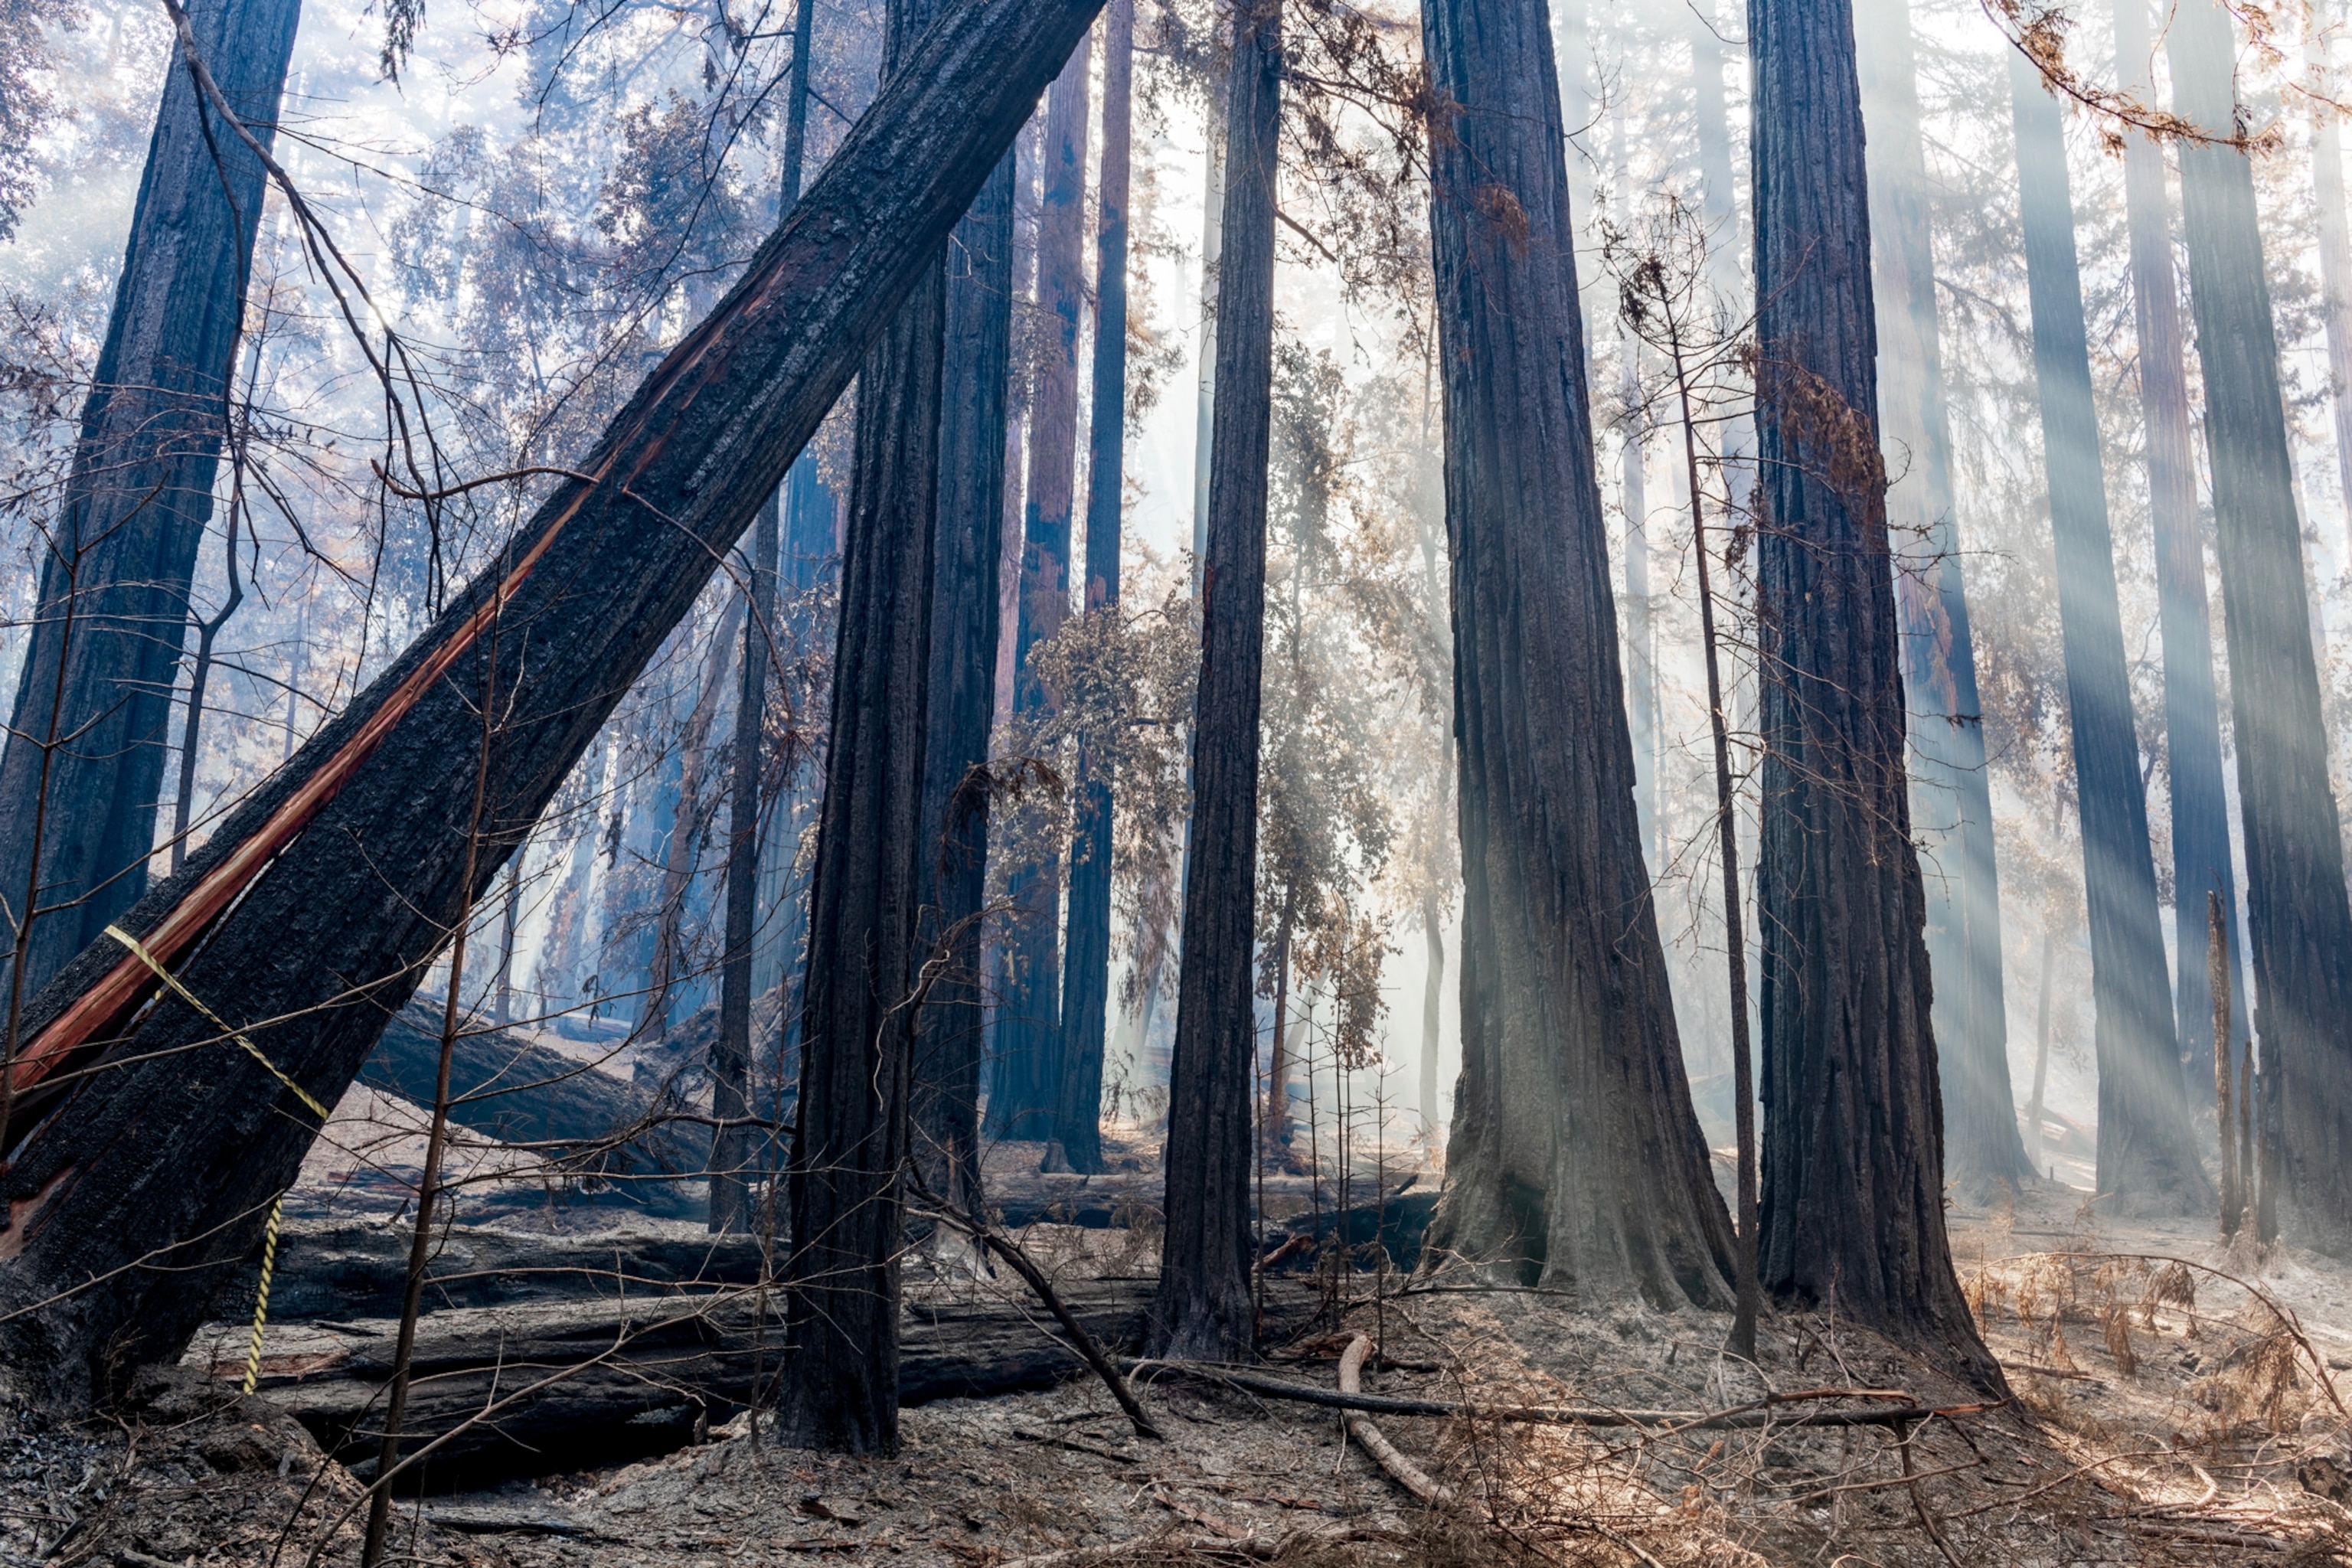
x,y
1774,1411
149,1150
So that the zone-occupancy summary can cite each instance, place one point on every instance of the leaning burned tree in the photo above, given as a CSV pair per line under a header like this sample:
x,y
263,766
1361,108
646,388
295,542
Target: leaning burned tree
x,y
84,758
1203,1307
1576,1158
156,1148
1853,1156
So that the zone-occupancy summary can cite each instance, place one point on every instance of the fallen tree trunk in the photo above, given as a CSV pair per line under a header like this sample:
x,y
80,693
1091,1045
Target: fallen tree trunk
x,y
647,1371
586,1122
309,916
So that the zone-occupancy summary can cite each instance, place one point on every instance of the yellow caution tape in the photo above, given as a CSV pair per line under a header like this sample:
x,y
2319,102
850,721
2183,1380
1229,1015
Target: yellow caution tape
x,y
261,1302
304,1095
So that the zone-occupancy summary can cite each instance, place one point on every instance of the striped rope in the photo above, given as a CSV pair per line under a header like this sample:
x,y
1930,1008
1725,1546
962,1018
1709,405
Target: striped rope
x,y
261,1302
172,980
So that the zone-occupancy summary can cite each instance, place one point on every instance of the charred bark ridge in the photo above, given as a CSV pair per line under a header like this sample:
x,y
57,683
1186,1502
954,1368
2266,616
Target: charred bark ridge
x,y
1203,1308
95,692
1027,1088
840,1387
2299,919
173,1156
1853,1158
1952,787
2147,1157
2192,719
1085,992
1576,1159
964,622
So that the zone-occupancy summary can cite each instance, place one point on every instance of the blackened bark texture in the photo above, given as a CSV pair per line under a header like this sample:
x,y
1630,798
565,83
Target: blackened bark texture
x,y
1085,993
2192,719
732,1147
2335,243
1952,786
964,624
1028,1017
349,860
1575,1158
84,758
1202,1308
2298,918
1853,1157
840,1383
2147,1157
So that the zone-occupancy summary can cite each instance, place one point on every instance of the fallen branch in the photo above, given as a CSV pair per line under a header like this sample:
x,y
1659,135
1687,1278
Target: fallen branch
x,y
1006,1248
1760,1413
1409,1476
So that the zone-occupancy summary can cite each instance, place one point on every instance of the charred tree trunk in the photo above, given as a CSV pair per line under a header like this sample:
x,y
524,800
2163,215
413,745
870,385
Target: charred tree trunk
x,y
2192,721
1086,995
1952,788
1853,1158
344,869
2298,915
840,1381
730,1057
1029,1025
83,764
964,628
1576,1160
2147,1156
2335,243
1202,1306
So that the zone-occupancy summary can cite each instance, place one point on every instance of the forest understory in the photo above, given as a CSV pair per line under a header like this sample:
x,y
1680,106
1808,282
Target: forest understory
x,y
2168,1407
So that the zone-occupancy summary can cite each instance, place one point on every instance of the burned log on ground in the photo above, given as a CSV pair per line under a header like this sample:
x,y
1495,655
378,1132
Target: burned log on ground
x,y
569,1383
589,1121
151,1148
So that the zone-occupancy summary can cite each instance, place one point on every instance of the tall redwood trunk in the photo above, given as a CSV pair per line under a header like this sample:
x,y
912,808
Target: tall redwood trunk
x,y
2192,719
83,762
964,626
1028,1026
2147,1158
1951,787
1203,1308
2298,916
840,1381
1086,995
321,900
1575,1160
1854,1159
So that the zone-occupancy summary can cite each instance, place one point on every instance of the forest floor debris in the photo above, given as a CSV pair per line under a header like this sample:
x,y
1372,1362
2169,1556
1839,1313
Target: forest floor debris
x,y
2168,1409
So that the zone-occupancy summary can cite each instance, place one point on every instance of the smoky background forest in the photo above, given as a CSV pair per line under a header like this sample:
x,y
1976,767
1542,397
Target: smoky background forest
x,y
968,689
539,201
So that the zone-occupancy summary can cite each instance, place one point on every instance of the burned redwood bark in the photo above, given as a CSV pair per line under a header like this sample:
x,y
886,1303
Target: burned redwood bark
x,y
1952,786
1086,964
1576,1159
344,869
1023,1102
83,762
2147,1158
840,1383
2299,919
1853,1159
964,625
1202,1309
